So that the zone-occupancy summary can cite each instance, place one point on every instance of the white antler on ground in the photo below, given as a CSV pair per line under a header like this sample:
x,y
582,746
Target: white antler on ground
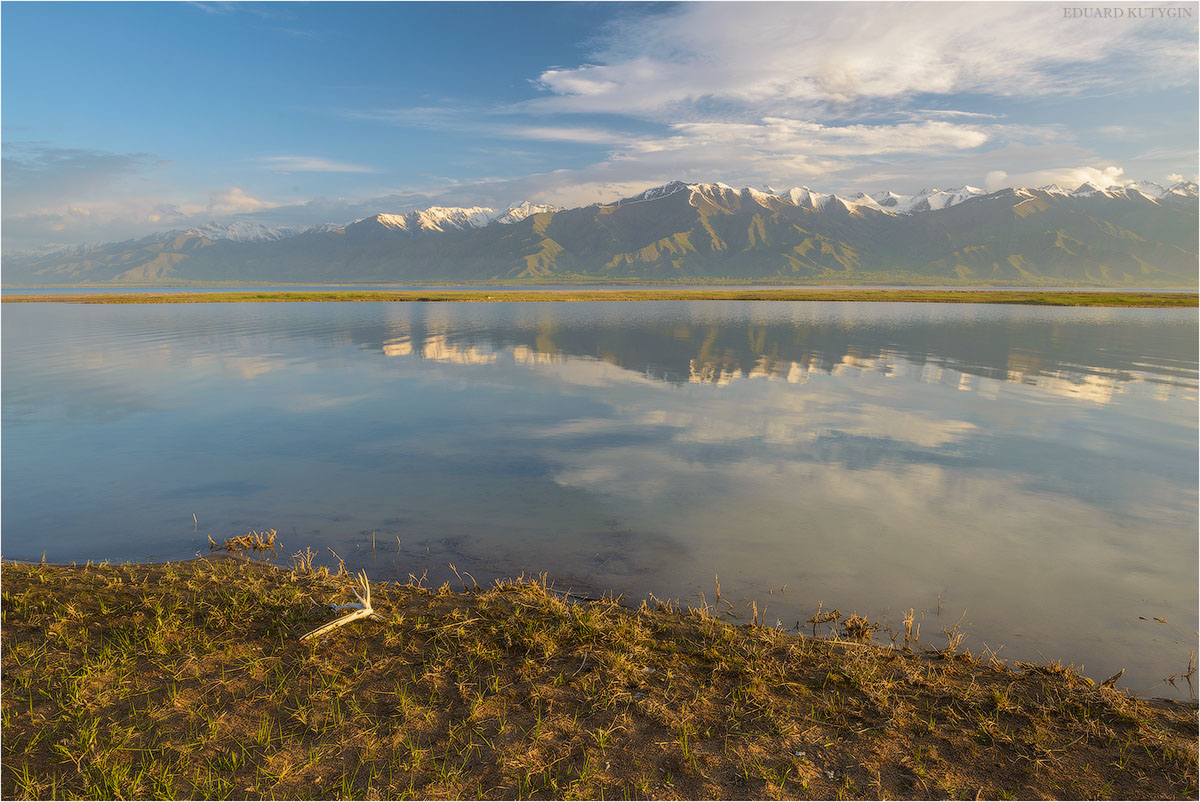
x,y
362,609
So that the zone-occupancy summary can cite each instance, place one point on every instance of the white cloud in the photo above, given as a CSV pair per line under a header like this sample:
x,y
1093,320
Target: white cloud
x,y
547,133
235,201
781,135
38,174
815,55
311,164
1109,175
952,113
841,97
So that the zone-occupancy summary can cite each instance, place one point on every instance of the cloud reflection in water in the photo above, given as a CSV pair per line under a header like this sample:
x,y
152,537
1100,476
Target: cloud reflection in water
x,y
1036,467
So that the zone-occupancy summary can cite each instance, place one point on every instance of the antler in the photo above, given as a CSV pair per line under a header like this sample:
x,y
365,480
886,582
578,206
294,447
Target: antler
x,y
364,609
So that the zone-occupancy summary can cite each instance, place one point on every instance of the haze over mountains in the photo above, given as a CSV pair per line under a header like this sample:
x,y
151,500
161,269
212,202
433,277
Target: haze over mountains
x,y
1141,234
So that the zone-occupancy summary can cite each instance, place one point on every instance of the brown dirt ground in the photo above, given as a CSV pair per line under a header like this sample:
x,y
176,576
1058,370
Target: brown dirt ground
x,y
189,680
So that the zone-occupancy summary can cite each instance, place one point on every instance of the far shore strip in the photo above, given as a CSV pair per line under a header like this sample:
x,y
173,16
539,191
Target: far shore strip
x,y
1127,298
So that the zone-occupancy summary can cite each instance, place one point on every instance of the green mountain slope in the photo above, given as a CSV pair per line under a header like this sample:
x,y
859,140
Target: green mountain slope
x,y
681,232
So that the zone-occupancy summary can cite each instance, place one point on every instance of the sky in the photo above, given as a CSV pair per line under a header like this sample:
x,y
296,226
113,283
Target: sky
x,y
118,120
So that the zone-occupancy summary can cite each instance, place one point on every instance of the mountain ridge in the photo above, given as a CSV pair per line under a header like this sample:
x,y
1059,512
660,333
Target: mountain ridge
x,y
1139,233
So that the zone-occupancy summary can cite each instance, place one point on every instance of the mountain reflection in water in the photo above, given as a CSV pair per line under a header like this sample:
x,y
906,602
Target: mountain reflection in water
x,y
1036,467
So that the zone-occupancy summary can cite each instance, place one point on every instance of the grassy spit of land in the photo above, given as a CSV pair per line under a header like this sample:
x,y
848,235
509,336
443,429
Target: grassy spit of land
x,y
189,680
1030,297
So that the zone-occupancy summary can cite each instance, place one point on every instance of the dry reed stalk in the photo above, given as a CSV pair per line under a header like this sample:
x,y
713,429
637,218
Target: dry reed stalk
x,y
341,562
460,579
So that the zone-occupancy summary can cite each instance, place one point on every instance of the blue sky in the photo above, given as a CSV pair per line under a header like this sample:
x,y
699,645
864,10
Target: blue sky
x,y
120,119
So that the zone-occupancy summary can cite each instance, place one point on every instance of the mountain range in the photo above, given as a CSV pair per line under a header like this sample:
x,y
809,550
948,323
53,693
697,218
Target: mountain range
x,y
1139,234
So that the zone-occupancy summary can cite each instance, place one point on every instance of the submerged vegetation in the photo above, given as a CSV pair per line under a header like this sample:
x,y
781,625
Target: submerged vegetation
x,y
1027,297
189,680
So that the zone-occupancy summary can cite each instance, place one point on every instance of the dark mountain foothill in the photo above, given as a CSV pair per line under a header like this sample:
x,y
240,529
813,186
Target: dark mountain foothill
x,y
1135,237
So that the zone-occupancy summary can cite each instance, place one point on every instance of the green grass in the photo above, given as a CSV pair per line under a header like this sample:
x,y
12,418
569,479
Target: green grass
x,y
1024,297
188,680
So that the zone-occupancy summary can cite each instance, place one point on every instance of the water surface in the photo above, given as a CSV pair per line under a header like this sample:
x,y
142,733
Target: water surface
x,y
1036,468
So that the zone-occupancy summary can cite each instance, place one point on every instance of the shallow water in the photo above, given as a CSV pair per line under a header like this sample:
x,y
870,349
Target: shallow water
x,y
1034,468
467,287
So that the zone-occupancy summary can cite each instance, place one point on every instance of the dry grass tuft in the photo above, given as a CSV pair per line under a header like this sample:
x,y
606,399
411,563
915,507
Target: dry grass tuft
x,y
189,680
259,542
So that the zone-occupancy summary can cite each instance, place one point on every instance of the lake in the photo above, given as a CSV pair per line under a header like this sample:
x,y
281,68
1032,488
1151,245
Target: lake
x,y
1029,474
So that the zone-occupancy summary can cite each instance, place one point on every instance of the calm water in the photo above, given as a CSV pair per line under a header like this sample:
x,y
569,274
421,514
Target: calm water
x,y
1037,468
541,288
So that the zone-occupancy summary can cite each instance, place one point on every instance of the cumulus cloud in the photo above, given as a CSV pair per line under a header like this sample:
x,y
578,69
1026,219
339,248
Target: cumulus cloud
x,y
1109,175
93,195
823,94
996,179
816,55
843,97
235,201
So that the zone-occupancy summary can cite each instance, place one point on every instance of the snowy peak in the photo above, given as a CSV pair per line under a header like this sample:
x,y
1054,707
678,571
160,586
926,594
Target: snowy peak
x,y
712,197
925,200
652,194
241,231
711,192
863,199
1089,190
1184,189
806,198
517,212
1148,189
449,218
1156,191
953,197
1137,191
440,219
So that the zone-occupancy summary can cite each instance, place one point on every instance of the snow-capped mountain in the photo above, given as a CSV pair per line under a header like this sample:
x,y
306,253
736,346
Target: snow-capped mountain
x,y
1139,233
242,231
925,200
455,218
894,203
437,218
807,198
1154,191
49,249
516,212
1090,190
654,193
1137,190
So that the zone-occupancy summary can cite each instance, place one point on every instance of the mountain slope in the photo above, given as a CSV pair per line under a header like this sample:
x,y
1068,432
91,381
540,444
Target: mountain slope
x,y
1144,234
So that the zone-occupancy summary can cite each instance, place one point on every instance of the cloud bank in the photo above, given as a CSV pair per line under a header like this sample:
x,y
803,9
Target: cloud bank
x,y
843,97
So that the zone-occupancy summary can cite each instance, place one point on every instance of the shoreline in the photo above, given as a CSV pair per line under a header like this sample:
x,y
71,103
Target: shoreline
x,y
1077,298
189,680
